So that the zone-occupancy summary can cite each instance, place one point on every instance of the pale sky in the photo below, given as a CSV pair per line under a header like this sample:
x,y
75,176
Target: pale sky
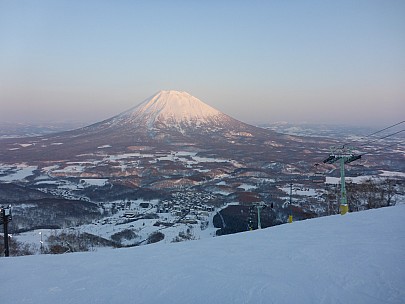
x,y
258,61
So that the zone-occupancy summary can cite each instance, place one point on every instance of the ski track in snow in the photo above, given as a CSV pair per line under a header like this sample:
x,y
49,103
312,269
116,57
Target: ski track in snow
x,y
356,258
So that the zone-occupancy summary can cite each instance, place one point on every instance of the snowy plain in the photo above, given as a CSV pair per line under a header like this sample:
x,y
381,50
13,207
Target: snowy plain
x,y
355,258
18,172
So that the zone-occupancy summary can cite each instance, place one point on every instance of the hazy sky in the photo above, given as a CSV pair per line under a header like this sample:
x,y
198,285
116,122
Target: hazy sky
x,y
258,61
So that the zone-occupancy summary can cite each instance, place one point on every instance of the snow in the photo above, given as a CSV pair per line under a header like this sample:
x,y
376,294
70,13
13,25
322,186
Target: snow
x,y
182,157
21,172
199,159
172,105
301,190
247,187
108,226
127,155
392,174
356,258
364,178
33,237
70,169
355,180
48,182
100,182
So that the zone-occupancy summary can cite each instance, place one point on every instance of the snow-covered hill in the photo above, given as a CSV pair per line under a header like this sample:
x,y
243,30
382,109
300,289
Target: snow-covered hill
x,y
356,258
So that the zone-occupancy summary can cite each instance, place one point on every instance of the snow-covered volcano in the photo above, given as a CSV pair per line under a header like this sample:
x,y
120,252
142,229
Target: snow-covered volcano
x,y
166,118
172,107
170,114
175,111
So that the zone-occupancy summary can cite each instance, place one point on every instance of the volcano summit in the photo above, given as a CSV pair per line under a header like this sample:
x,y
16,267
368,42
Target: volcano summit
x,y
173,107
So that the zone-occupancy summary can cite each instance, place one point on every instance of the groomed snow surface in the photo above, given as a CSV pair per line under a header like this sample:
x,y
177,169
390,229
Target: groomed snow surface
x,y
356,258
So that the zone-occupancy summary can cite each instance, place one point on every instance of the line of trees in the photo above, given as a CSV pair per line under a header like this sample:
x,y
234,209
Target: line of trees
x,y
17,248
370,194
374,193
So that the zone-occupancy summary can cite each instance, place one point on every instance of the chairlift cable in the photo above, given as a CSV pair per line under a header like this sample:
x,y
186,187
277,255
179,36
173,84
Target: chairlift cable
x,y
389,135
394,125
385,147
376,132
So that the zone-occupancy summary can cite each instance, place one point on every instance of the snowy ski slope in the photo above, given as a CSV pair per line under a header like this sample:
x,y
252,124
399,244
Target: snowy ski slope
x,y
356,258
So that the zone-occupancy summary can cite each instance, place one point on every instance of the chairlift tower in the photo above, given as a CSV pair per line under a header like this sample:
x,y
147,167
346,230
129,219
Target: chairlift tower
x,y
290,217
344,155
5,218
259,207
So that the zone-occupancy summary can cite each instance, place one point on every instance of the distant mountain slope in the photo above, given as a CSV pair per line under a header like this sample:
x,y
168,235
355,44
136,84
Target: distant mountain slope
x,y
354,258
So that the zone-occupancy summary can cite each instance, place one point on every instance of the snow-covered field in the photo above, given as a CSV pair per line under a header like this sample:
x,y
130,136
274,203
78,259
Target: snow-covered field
x,y
356,258
299,190
20,171
17,172
362,179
